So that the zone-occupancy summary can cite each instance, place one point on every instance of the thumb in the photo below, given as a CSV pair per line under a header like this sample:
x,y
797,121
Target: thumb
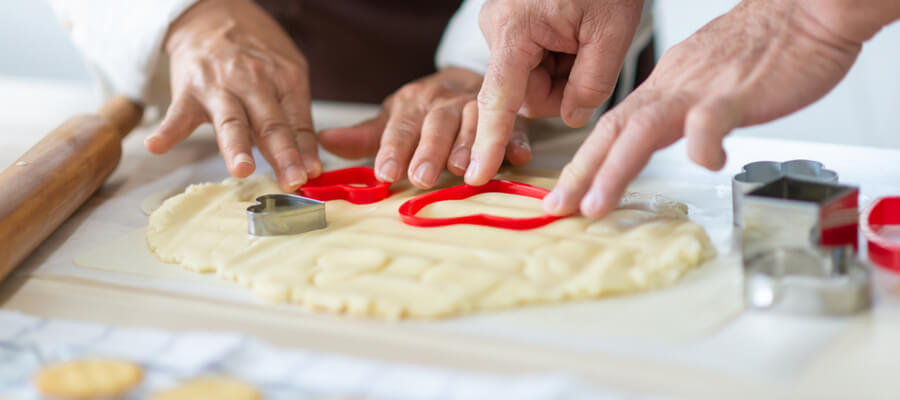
x,y
706,126
357,141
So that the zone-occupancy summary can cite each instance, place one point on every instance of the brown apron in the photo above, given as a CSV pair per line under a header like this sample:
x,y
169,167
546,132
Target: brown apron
x,y
364,50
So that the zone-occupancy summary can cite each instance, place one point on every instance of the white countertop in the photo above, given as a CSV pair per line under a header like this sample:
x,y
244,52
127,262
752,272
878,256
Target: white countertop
x,y
756,354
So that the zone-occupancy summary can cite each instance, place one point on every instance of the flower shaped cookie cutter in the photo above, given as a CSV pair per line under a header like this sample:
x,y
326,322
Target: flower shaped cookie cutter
x,y
759,173
411,207
357,185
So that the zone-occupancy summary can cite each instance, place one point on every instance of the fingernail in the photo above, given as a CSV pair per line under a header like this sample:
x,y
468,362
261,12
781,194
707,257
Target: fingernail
x,y
460,158
593,203
472,170
389,171
425,174
242,159
553,202
523,144
295,176
582,115
313,168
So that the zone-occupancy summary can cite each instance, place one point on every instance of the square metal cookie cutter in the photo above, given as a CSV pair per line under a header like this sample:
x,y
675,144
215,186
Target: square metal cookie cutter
x,y
759,173
798,241
285,214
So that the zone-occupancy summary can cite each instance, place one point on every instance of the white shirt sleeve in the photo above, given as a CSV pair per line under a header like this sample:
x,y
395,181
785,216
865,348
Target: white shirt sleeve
x,y
122,42
463,45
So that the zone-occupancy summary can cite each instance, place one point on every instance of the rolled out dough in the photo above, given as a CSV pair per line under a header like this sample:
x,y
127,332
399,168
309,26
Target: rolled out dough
x,y
367,262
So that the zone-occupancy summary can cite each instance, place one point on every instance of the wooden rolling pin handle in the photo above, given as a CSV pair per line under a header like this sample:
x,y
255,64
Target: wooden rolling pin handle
x,y
48,183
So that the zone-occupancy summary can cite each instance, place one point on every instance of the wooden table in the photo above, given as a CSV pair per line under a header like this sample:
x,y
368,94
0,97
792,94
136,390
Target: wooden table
x,y
860,362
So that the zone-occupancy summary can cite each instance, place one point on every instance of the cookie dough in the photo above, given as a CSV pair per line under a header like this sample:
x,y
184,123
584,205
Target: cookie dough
x,y
88,379
211,388
367,262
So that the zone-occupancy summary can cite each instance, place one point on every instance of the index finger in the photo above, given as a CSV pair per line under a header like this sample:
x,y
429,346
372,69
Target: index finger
x,y
275,139
499,100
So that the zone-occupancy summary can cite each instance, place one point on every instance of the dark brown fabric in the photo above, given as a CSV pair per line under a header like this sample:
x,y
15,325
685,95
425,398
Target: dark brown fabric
x,y
363,50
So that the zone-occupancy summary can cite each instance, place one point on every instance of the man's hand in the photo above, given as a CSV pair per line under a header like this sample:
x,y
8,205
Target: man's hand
x,y
760,61
233,66
548,58
422,127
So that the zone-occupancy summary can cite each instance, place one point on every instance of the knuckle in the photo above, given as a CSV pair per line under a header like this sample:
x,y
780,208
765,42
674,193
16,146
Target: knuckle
x,y
596,92
404,128
444,115
488,100
272,127
231,122
609,126
411,90
287,155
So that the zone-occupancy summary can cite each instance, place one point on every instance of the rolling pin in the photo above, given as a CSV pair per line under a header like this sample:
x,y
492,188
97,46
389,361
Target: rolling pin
x,y
48,183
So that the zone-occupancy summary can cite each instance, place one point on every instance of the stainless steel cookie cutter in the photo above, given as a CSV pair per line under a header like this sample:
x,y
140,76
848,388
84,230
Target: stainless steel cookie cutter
x,y
797,246
800,281
759,173
285,214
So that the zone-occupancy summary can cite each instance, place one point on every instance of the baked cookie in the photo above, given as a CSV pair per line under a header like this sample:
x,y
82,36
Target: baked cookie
x,y
211,388
88,379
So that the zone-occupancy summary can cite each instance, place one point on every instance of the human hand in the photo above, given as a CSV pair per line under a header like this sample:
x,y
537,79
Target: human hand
x,y
233,66
547,58
760,61
423,126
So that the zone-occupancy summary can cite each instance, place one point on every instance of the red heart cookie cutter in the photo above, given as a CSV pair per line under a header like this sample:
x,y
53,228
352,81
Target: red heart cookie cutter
x,y
357,185
412,206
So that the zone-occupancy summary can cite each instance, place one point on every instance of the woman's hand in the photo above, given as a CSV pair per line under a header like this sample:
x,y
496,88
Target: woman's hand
x,y
233,66
423,126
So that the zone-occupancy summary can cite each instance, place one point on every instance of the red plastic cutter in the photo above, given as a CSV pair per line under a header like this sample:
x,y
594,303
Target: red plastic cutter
x,y
357,185
409,209
881,218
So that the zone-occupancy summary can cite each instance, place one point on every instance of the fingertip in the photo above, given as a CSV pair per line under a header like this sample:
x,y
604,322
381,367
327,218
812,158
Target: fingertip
x,y
388,171
242,165
578,117
424,175
293,178
519,155
458,161
155,143
552,203
313,167
475,174
595,204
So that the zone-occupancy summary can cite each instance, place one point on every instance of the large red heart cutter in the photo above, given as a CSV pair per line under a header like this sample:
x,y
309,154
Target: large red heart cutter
x,y
411,207
357,185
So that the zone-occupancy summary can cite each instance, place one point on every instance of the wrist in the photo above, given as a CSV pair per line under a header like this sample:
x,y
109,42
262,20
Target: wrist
x,y
853,20
202,15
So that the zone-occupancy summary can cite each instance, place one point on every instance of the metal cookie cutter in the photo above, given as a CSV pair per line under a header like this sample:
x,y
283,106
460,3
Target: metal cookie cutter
x,y
800,281
760,173
797,242
285,214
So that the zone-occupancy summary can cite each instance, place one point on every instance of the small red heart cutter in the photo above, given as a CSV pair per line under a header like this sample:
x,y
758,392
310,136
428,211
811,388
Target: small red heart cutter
x,y
412,206
357,185
881,226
